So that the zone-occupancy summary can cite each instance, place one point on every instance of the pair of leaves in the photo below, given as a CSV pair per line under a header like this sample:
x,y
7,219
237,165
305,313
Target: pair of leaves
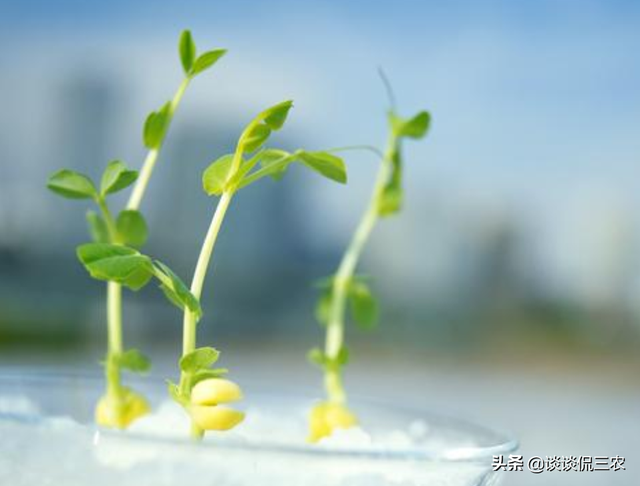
x,y
415,127
258,131
362,304
273,163
319,358
132,360
191,62
157,122
232,167
74,185
128,267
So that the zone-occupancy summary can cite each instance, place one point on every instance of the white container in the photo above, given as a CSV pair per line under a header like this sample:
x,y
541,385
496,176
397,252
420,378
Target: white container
x,y
47,437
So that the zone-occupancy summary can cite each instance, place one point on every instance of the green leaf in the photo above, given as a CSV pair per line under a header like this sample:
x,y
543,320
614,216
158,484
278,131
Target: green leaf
x,y
176,290
93,252
72,184
174,392
97,227
326,164
214,178
274,164
277,114
342,358
256,137
364,308
317,357
199,359
206,374
322,311
390,201
270,161
206,60
415,127
134,360
258,131
116,177
187,50
132,228
324,282
155,127
245,168
116,263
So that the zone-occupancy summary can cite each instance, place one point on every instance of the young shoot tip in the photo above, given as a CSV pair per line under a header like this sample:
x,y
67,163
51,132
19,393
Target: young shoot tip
x,y
388,88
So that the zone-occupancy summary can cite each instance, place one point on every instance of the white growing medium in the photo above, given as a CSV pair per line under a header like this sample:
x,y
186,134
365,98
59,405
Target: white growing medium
x,y
62,451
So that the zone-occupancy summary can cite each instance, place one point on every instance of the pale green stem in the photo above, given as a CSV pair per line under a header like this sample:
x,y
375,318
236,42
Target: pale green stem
x,y
114,290
335,327
108,218
114,327
114,317
190,319
147,168
114,313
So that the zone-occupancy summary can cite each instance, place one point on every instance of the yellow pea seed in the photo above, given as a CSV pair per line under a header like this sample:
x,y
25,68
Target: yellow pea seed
x,y
103,413
339,417
215,417
318,427
120,414
325,418
215,390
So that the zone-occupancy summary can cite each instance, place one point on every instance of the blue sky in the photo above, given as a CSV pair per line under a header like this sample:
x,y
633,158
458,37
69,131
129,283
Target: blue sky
x,y
565,72
536,104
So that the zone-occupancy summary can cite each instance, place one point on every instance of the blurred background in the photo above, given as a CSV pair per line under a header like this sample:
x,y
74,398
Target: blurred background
x,y
510,283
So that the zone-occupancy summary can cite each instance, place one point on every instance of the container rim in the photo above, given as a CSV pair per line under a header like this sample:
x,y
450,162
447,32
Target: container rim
x,y
477,454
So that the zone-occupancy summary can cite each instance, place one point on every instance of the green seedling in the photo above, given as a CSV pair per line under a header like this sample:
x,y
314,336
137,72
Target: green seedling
x,y
113,255
346,289
201,390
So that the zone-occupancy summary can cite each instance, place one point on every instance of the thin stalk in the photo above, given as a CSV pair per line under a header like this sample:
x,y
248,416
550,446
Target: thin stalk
x,y
260,173
114,290
189,338
114,327
335,327
108,218
150,161
190,319
347,148
114,319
